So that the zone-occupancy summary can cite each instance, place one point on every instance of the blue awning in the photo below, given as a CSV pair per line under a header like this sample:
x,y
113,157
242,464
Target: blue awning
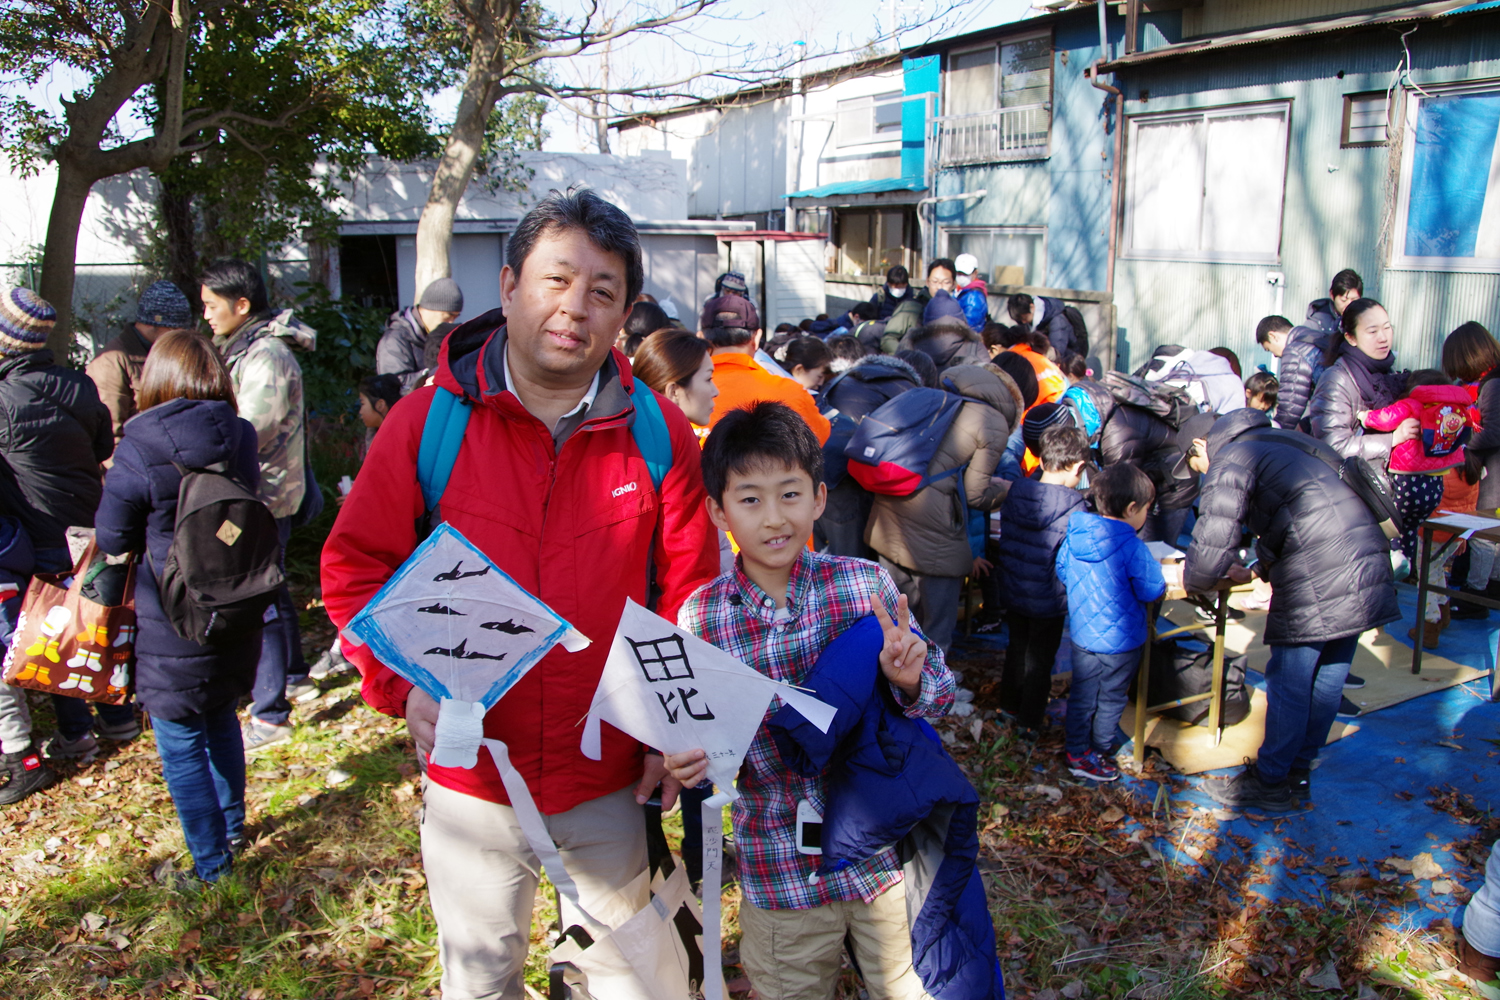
x,y
841,188
1488,5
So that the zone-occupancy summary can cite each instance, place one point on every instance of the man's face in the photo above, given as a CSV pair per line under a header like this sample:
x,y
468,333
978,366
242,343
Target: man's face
x,y
224,315
434,318
1276,342
1023,315
563,309
940,279
770,511
1342,302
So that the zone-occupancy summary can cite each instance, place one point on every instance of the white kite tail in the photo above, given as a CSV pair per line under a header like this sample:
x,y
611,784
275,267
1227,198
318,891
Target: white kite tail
x,y
530,820
713,888
460,730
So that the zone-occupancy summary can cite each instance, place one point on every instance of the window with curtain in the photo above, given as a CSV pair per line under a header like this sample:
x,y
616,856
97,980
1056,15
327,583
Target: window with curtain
x,y
1448,208
1207,185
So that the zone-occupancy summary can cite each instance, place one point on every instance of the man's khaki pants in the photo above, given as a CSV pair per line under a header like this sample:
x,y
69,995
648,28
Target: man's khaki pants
x,y
481,877
797,954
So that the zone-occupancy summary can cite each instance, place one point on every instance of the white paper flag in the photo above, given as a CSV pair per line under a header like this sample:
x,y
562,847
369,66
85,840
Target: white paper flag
x,y
673,691
454,624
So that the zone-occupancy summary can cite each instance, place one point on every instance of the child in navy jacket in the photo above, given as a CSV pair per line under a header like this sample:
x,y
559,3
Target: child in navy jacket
x,y
1033,523
1111,578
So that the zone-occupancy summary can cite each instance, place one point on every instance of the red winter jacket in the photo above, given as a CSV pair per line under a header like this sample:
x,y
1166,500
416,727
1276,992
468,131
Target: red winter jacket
x,y
1447,413
565,523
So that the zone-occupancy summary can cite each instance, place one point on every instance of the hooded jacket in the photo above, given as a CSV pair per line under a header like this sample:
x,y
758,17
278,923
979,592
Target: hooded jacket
x,y
889,780
927,532
1033,524
577,525
1110,577
947,341
869,382
1328,563
1333,417
1058,328
54,432
401,349
1322,317
267,379
1207,377
175,677
116,372
974,299
1298,371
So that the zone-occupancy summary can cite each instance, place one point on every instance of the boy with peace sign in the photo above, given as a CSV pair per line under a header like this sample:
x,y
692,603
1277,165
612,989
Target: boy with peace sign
x,y
776,611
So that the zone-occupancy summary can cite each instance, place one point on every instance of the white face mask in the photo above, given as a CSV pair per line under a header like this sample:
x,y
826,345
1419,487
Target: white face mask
x,y
897,293
962,280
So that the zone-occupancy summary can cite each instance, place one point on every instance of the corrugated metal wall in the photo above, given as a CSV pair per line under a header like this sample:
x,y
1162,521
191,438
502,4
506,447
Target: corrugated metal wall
x,y
1217,17
1337,203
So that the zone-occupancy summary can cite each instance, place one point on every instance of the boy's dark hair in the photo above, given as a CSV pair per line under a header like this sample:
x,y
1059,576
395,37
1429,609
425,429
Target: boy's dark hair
x,y
234,279
728,336
1075,366
864,310
897,276
767,432
1120,485
1264,386
1426,376
386,387
943,262
1268,326
645,319
1470,352
921,362
1346,281
846,348
606,226
1062,448
1018,304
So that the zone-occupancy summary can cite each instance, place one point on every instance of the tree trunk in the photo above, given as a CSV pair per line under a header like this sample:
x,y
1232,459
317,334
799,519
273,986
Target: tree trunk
x,y
456,167
176,207
56,285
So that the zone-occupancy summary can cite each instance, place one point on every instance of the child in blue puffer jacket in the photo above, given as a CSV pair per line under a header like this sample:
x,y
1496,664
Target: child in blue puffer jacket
x,y
1111,578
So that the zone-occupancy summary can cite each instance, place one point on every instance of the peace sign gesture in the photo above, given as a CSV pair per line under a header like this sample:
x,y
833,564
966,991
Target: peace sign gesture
x,y
902,656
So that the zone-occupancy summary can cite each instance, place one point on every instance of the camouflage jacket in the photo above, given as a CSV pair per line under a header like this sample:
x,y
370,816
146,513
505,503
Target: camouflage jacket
x,y
268,387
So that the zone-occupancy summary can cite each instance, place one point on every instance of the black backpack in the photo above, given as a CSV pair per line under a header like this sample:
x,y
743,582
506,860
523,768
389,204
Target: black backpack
x,y
224,566
1170,402
1183,668
1367,482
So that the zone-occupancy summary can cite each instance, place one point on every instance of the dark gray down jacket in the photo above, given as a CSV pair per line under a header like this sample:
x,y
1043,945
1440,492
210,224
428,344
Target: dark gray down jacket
x,y
1328,562
1298,370
54,432
401,348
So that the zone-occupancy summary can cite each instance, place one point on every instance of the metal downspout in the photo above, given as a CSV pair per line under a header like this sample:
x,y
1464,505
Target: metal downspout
x,y
1115,170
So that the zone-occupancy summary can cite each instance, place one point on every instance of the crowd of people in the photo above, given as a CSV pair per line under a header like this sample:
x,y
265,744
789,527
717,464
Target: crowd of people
x,y
869,464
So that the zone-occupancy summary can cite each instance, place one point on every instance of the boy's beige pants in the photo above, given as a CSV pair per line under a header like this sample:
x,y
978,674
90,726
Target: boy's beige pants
x,y
797,954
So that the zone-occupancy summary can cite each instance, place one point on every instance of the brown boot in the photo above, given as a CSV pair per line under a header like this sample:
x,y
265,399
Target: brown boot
x,y
1476,964
1447,619
1431,631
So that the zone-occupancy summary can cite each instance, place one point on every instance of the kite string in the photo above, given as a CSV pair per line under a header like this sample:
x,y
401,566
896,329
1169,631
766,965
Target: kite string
x,y
713,875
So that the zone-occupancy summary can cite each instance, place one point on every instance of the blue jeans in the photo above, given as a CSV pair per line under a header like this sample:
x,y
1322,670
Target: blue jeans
x,y
281,658
1097,699
203,760
1304,684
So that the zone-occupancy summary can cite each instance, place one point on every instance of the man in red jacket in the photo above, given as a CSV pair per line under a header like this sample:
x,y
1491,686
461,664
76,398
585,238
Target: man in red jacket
x,y
551,485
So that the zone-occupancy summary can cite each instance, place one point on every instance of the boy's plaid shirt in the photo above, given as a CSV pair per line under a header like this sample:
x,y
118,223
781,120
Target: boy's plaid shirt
x,y
826,595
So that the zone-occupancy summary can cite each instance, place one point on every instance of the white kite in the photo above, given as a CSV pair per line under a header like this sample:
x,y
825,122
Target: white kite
x,y
674,692
454,624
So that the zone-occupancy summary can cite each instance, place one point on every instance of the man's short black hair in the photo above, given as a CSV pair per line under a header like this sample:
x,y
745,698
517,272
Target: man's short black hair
x,y
1119,486
897,276
728,336
864,310
1018,305
1062,448
645,319
1263,386
767,433
235,279
606,226
1346,281
943,262
1268,326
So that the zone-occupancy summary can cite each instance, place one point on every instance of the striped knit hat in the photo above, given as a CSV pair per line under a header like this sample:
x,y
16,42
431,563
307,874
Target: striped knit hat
x,y
1038,419
25,321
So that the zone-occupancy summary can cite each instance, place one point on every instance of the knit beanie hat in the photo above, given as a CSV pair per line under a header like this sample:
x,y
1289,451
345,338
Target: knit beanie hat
x,y
25,321
943,306
163,304
444,296
1038,419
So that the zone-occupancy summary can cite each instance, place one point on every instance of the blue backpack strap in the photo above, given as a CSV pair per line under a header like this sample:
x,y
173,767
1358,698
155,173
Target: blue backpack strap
x,y
651,435
442,436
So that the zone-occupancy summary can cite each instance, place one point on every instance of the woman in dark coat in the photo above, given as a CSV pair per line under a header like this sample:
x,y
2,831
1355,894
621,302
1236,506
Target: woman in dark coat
x,y
1360,377
188,417
1330,567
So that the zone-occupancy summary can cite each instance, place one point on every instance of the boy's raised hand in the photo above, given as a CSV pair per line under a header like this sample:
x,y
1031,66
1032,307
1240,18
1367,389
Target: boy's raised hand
x,y
902,656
